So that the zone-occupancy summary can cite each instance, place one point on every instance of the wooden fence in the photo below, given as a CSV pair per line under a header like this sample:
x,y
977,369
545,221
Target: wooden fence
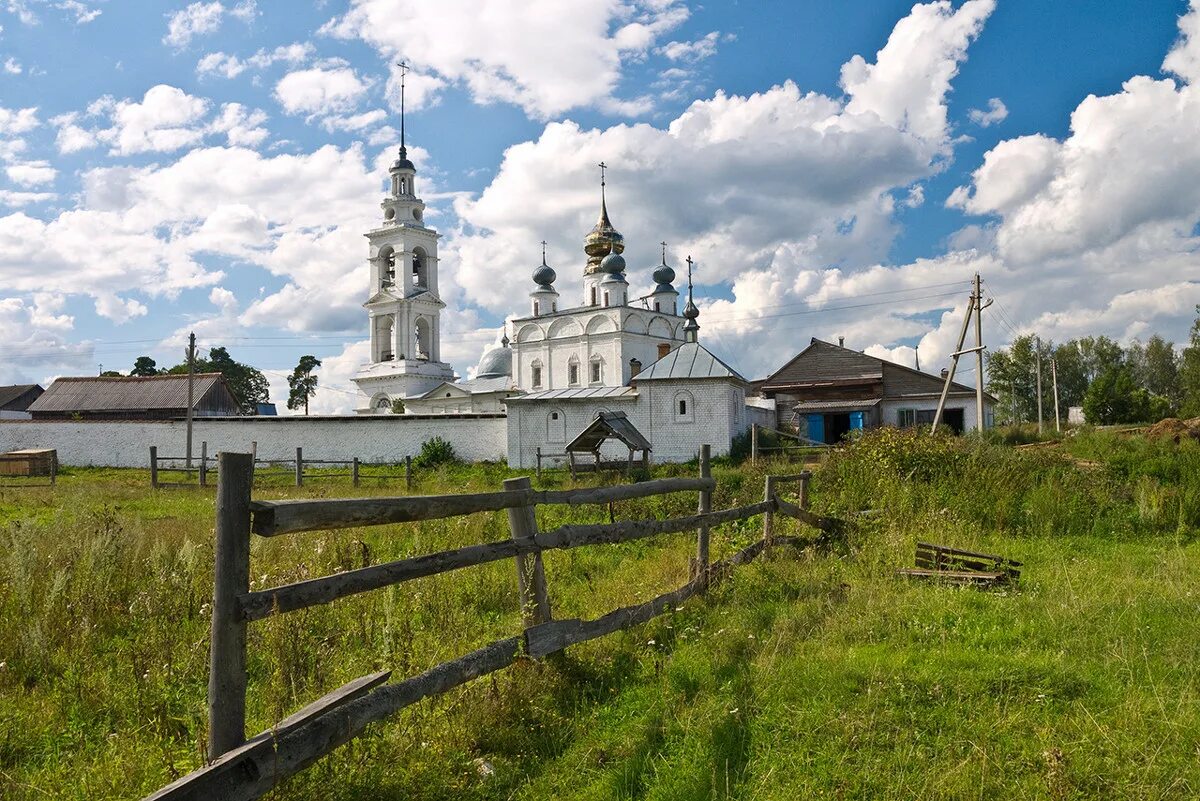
x,y
356,469
242,768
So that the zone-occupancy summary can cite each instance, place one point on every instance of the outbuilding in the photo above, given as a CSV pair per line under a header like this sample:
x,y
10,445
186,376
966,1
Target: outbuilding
x,y
134,398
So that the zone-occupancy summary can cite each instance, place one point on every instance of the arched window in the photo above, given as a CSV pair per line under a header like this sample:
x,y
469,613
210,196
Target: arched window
x,y
383,403
535,308
421,339
596,372
573,371
535,370
684,407
387,273
592,297
420,276
605,298
404,186
383,343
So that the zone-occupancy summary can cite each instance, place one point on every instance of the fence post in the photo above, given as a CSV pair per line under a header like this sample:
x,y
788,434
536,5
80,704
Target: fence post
x,y
804,492
227,657
154,466
753,443
204,463
254,450
531,575
408,472
53,468
539,463
354,471
704,507
299,467
769,515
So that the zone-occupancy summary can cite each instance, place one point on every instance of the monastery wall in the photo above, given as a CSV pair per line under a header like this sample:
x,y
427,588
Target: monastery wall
x,y
371,438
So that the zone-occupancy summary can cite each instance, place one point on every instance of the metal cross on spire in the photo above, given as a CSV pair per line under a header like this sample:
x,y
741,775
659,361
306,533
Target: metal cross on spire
x,y
664,247
689,264
403,72
543,251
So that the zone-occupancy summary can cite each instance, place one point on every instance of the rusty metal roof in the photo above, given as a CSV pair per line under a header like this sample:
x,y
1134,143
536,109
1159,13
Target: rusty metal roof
x,y
688,361
121,393
608,425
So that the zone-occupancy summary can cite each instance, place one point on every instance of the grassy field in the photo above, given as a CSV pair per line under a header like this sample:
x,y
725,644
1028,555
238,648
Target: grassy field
x,y
808,675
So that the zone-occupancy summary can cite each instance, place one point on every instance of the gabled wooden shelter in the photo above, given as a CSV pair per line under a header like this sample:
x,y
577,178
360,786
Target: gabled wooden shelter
x,y
606,426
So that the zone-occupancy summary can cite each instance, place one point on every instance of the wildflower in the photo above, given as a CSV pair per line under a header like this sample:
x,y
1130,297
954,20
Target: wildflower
x,y
650,642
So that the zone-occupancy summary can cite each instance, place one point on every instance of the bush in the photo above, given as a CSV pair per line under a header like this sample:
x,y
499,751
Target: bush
x,y
435,453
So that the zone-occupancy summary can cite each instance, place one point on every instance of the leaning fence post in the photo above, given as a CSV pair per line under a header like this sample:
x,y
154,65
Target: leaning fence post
x,y
539,463
769,515
204,463
227,656
408,472
531,575
354,471
704,507
299,467
753,443
154,466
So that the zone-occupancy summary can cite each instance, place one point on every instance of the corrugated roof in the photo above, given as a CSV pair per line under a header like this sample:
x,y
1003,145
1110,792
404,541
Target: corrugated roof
x,y
11,393
578,393
609,425
119,393
835,405
689,360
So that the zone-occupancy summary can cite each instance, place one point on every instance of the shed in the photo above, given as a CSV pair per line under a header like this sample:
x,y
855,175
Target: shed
x,y
606,426
134,398
15,400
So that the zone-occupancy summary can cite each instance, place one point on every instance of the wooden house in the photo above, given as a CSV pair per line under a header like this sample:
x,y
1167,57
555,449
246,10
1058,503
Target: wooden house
x,y
134,398
828,390
15,400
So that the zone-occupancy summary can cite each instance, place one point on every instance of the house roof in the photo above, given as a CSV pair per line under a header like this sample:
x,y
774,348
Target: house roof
x,y
475,386
823,364
836,405
609,425
578,393
119,393
13,392
690,360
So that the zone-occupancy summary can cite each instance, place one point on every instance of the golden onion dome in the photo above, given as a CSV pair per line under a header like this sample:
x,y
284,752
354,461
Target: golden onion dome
x,y
601,240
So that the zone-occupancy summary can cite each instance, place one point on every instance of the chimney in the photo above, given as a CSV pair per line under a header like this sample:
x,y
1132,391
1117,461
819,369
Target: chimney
x,y
841,342
945,372
635,367
663,349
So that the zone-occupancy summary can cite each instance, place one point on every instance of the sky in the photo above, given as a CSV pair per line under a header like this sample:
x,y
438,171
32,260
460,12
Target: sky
x,y
834,167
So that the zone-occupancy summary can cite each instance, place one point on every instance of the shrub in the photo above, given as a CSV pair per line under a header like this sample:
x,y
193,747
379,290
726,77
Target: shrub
x,y
435,453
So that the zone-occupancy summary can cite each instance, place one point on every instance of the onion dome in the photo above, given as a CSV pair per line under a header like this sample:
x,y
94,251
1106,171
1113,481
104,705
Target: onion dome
x,y
544,275
601,241
612,263
495,362
664,275
402,163
613,278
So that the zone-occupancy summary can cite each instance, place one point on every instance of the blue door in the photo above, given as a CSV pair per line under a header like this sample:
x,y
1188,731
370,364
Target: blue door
x,y
856,421
816,427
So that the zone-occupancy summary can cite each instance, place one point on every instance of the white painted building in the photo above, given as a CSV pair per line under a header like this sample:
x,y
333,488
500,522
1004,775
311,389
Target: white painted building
x,y
403,308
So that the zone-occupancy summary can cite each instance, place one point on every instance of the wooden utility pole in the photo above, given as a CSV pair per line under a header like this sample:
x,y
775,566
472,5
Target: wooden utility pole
x,y
1054,378
978,356
191,360
1038,354
958,351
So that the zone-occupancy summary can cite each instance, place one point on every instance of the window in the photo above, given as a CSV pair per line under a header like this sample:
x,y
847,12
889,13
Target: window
x,y
573,372
556,427
656,306
685,407
592,296
537,375
553,306
597,371
605,298
906,418
535,308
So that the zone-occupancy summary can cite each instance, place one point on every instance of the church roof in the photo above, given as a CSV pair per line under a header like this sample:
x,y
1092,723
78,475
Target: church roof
x,y
579,393
690,360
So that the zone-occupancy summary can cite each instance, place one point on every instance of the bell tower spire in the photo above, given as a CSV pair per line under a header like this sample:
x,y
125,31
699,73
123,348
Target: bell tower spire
x,y
403,72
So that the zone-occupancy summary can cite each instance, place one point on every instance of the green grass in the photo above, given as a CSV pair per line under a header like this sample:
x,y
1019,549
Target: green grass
x,y
807,675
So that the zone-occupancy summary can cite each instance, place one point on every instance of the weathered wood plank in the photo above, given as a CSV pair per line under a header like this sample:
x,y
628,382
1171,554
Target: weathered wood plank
x,y
272,518
531,573
573,536
290,597
342,695
959,552
257,767
954,576
830,525
805,476
556,635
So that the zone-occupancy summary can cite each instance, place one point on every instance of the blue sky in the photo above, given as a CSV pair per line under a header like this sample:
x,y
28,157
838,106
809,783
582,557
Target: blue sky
x,y
211,166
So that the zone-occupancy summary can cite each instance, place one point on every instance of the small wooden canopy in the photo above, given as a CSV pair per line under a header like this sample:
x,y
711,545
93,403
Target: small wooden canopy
x,y
606,426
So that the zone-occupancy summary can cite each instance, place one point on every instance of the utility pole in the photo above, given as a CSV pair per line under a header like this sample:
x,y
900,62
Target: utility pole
x,y
1054,376
979,421
1038,354
191,360
958,351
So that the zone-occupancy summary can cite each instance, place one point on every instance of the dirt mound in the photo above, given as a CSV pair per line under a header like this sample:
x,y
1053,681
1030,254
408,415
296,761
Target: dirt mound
x,y
1175,429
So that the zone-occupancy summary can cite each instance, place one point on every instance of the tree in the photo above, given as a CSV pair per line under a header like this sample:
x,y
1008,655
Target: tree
x,y
1189,372
1114,397
1012,378
302,384
398,406
1155,367
248,386
144,366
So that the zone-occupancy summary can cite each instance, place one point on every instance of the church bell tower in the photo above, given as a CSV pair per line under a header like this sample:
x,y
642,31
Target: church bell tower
x,y
403,306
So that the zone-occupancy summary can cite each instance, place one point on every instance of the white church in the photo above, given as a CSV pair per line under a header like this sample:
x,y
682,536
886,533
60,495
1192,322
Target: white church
x,y
559,366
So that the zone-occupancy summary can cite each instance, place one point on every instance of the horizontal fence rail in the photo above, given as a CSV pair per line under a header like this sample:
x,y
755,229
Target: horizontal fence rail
x,y
242,768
